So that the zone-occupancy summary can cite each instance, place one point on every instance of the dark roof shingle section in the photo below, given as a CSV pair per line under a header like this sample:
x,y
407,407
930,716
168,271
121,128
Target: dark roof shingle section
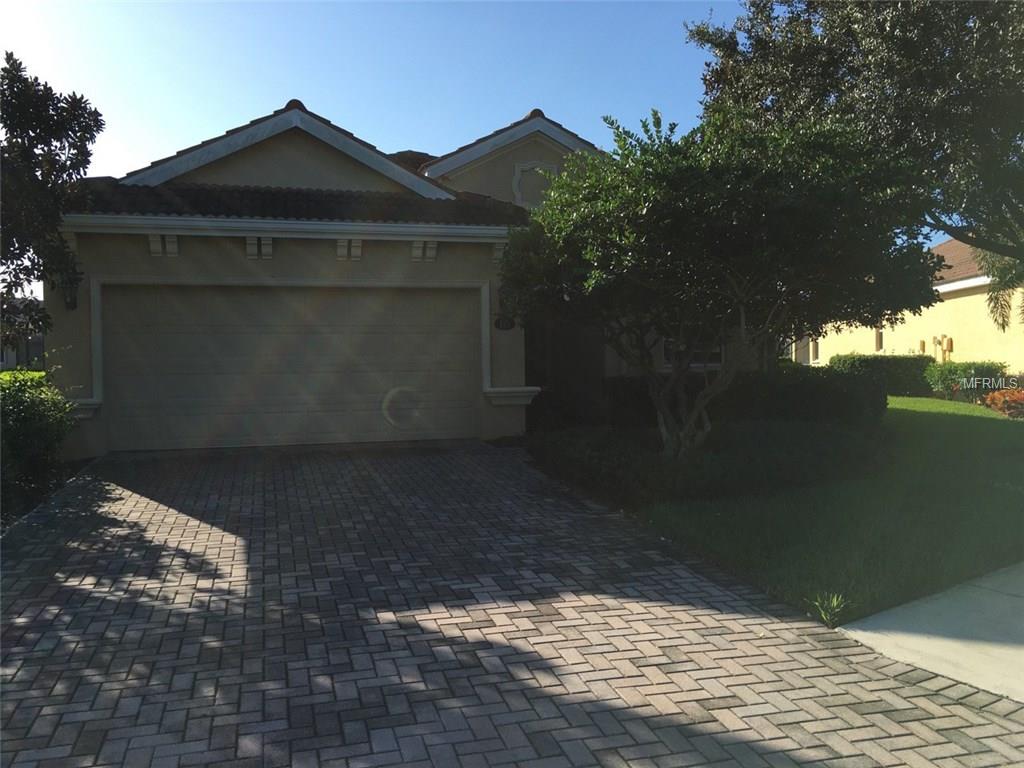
x,y
959,258
107,195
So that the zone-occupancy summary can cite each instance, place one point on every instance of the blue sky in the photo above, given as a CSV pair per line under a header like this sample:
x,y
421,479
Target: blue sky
x,y
427,76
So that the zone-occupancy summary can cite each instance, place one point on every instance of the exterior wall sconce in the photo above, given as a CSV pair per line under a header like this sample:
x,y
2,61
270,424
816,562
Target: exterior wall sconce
x,y
69,290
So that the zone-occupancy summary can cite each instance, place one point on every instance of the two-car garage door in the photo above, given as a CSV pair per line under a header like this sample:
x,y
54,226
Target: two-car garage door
x,y
195,367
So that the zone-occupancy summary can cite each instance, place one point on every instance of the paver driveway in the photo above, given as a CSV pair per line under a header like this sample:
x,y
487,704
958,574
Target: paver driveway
x,y
449,608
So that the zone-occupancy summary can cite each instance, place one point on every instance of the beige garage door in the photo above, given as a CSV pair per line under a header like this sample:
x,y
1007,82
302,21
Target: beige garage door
x,y
195,367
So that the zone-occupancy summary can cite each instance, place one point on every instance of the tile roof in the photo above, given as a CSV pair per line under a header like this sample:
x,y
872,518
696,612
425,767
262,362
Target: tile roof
x,y
293,104
959,258
108,195
411,158
529,116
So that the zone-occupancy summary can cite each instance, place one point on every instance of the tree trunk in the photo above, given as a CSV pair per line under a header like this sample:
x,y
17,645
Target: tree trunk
x,y
668,422
684,426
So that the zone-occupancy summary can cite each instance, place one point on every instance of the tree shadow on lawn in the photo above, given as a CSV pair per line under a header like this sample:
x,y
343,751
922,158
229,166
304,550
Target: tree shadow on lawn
x,y
269,604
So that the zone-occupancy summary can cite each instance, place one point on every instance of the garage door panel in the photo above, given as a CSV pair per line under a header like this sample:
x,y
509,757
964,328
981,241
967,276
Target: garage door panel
x,y
245,390
217,366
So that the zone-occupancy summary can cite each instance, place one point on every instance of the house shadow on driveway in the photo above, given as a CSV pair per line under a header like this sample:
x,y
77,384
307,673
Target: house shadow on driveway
x,y
422,607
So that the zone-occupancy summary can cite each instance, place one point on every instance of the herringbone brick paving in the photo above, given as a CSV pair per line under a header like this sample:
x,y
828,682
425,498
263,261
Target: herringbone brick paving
x,y
431,607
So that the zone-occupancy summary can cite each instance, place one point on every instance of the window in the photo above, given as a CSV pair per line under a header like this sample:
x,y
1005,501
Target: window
x,y
878,339
815,354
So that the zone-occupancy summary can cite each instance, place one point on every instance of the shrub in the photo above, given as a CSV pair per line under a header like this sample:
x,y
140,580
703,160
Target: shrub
x,y
600,459
971,380
900,374
1009,402
787,393
739,458
629,403
36,417
802,394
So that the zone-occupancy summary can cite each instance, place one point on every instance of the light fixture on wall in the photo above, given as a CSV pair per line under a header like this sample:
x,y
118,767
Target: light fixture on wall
x,y
68,285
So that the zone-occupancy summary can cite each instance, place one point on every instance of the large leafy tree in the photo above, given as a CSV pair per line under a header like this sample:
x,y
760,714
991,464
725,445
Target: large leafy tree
x,y
727,236
940,84
44,150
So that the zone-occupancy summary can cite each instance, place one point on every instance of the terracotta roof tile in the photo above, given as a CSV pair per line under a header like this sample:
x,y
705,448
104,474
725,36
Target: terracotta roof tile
x,y
107,195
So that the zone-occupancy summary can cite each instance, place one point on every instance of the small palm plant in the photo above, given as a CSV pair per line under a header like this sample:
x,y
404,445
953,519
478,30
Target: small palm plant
x,y
829,607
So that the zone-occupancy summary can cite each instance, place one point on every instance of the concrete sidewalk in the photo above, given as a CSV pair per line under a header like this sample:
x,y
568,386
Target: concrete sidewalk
x,y
973,633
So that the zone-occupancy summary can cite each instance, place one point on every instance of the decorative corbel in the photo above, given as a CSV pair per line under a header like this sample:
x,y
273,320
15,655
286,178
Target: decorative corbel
x,y
171,246
252,247
417,250
266,247
498,253
430,253
156,245
349,250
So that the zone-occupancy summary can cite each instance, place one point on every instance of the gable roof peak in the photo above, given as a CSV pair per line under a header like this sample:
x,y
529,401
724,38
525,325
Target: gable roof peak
x,y
535,121
292,115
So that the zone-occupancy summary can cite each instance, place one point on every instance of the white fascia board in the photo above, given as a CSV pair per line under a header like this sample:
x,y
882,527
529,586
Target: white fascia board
x,y
476,151
227,145
960,285
204,226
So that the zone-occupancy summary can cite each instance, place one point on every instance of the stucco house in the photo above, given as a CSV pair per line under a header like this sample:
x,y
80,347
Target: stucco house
x,y
958,327
287,283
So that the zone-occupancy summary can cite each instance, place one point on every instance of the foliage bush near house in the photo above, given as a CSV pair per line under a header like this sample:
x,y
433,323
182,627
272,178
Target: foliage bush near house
x,y
36,417
787,393
971,380
1009,402
627,467
901,374
800,393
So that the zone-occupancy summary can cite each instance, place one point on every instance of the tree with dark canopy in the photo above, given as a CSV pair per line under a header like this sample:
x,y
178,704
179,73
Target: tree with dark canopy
x,y
938,84
727,236
44,152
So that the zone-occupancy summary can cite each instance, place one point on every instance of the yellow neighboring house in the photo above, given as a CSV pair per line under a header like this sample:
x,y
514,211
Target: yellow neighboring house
x,y
957,328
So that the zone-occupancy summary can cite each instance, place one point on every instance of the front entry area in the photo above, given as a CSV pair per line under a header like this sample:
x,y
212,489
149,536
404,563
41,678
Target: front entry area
x,y
229,366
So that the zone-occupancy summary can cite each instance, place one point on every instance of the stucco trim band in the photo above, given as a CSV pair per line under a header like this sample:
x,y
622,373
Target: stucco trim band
x,y
328,230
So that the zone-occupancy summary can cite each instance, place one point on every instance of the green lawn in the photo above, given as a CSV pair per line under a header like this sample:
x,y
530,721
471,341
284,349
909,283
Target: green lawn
x,y
941,502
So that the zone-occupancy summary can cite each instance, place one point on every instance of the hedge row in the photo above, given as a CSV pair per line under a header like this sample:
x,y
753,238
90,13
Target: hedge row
x,y
971,380
789,393
899,374
740,458
801,393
